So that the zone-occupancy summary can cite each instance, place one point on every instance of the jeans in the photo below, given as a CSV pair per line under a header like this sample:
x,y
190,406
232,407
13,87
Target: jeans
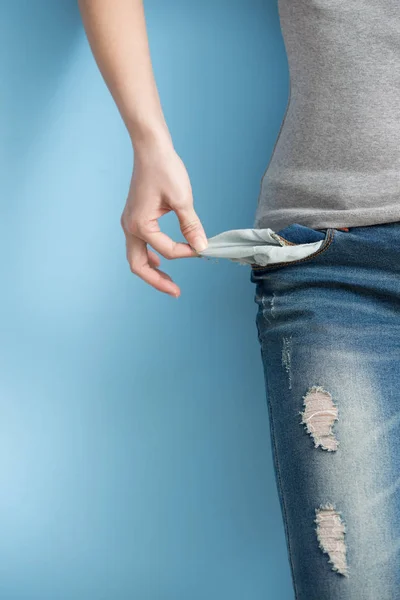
x,y
328,324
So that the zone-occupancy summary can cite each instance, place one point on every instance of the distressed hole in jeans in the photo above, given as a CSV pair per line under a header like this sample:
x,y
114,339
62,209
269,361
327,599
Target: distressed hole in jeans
x,y
318,416
330,534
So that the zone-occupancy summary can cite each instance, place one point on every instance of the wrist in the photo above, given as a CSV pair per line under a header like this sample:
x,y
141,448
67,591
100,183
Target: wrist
x,y
145,136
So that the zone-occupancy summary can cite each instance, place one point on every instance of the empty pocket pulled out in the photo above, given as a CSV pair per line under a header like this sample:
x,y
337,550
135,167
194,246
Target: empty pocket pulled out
x,y
257,246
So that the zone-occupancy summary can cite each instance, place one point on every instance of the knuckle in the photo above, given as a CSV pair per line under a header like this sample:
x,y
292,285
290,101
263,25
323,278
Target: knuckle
x,y
130,225
133,267
169,250
167,253
190,226
135,227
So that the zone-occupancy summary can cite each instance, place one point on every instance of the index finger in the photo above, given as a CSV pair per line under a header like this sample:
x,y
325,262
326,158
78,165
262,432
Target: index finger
x,y
167,247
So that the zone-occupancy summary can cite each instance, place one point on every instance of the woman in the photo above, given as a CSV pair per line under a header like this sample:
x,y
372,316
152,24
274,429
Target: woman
x,y
325,258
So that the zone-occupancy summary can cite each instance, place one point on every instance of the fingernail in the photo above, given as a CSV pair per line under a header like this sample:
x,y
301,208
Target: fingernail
x,y
200,244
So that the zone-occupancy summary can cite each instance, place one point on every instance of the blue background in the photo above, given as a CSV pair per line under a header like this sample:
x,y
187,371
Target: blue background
x,y
135,457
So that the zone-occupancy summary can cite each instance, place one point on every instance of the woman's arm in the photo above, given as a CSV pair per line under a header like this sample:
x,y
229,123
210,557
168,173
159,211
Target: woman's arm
x,y
116,31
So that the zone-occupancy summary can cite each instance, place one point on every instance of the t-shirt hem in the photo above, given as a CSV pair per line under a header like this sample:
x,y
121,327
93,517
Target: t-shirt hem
x,y
334,219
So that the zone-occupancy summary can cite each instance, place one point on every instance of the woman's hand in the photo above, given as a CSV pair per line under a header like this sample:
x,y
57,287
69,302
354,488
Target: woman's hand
x,y
116,30
159,184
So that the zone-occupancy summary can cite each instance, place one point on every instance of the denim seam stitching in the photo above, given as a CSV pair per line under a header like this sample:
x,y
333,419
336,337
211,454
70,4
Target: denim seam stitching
x,y
286,241
278,469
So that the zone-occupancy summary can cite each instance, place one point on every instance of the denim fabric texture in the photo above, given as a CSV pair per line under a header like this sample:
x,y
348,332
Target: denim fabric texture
x,y
329,334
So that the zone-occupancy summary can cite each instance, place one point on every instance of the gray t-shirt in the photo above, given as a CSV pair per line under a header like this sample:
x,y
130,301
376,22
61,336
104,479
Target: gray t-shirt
x,y
336,160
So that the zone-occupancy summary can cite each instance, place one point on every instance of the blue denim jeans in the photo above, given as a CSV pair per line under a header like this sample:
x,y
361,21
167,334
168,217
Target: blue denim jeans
x,y
329,330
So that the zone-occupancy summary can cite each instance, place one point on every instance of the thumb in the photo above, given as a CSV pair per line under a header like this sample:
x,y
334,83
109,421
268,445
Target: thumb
x,y
192,228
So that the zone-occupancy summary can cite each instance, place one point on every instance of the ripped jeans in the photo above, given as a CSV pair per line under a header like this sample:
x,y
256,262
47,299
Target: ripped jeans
x,y
328,324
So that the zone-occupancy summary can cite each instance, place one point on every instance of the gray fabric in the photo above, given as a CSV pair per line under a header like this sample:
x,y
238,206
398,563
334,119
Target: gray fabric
x,y
336,160
258,246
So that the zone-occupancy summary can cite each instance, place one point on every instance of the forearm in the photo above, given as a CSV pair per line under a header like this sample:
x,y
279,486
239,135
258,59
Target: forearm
x,y
116,30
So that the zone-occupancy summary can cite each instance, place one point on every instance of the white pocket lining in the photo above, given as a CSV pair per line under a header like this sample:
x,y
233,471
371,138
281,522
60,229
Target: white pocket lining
x,y
256,246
